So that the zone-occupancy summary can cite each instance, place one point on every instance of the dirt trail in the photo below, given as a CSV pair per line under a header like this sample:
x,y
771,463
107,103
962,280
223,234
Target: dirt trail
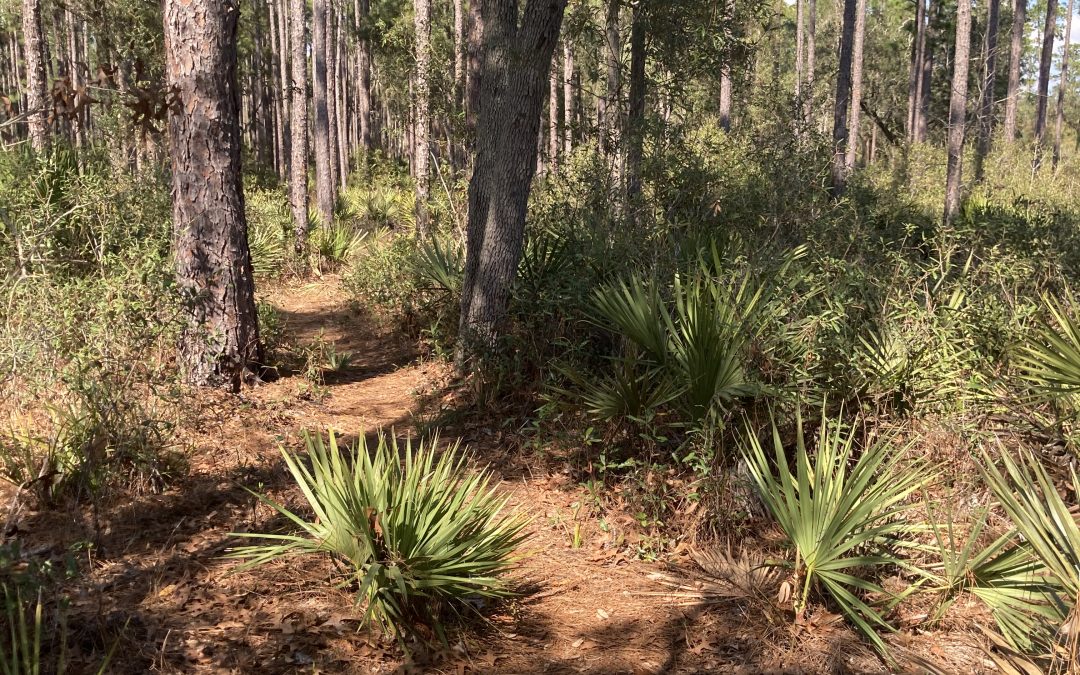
x,y
158,578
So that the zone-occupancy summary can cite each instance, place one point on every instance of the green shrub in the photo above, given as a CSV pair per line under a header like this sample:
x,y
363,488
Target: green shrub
x,y
419,535
841,512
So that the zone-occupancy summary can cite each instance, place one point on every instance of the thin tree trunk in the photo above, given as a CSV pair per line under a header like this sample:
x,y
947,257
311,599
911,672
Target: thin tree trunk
x,y
331,95
324,179
800,39
460,54
298,157
856,85
922,114
516,63
553,114
613,58
986,104
958,111
1043,93
811,60
476,67
918,53
36,94
1063,84
1016,56
341,101
568,97
422,113
364,103
635,119
213,263
725,97
843,99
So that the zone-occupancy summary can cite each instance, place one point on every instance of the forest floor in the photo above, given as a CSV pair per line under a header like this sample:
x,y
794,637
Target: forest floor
x,y
154,573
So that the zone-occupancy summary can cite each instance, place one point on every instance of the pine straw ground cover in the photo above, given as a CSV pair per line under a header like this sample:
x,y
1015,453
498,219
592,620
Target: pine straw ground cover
x,y
154,583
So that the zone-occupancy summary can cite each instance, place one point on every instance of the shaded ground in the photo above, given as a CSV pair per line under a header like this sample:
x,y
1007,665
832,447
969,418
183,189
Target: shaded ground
x,y
156,586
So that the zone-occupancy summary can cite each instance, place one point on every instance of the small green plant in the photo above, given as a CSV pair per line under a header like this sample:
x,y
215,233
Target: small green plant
x,y
1049,529
1051,361
418,535
840,511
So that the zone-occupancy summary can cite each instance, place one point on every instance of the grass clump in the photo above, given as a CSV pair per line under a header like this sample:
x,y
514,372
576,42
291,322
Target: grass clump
x,y
417,535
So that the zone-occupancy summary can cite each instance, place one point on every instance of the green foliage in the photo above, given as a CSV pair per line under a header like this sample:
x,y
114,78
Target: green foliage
x,y
20,644
841,512
269,230
418,535
1028,496
1051,360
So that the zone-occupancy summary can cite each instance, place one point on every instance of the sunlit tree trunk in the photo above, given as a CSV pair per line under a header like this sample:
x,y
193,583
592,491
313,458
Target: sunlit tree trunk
x,y
922,111
213,264
635,126
363,94
36,93
553,114
800,40
958,111
1016,56
324,177
1046,59
1062,86
811,61
298,114
422,113
918,53
986,104
517,59
856,85
568,97
475,67
613,58
840,133
330,45
460,54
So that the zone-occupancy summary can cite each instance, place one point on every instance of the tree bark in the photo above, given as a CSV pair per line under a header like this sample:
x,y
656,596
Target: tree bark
x,y
613,59
568,97
811,60
922,113
460,54
422,113
800,39
856,85
324,178
986,104
1043,93
1016,56
36,93
553,114
918,53
958,111
1063,84
516,59
476,68
298,157
843,99
331,97
213,263
635,119
363,104
340,100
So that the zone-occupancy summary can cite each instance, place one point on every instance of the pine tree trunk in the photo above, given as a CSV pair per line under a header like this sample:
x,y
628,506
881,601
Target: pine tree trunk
x,y
613,57
918,53
36,94
460,54
476,65
800,40
1016,56
364,103
340,101
725,97
843,99
635,119
811,61
922,113
213,264
1062,86
324,175
568,97
986,103
553,114
331,95
958,111
516,63
1043,93
856,85
298,118
422,113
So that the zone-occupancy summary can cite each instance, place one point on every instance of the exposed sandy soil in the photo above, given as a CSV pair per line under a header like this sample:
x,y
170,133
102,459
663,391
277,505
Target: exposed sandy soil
x,y
155,584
